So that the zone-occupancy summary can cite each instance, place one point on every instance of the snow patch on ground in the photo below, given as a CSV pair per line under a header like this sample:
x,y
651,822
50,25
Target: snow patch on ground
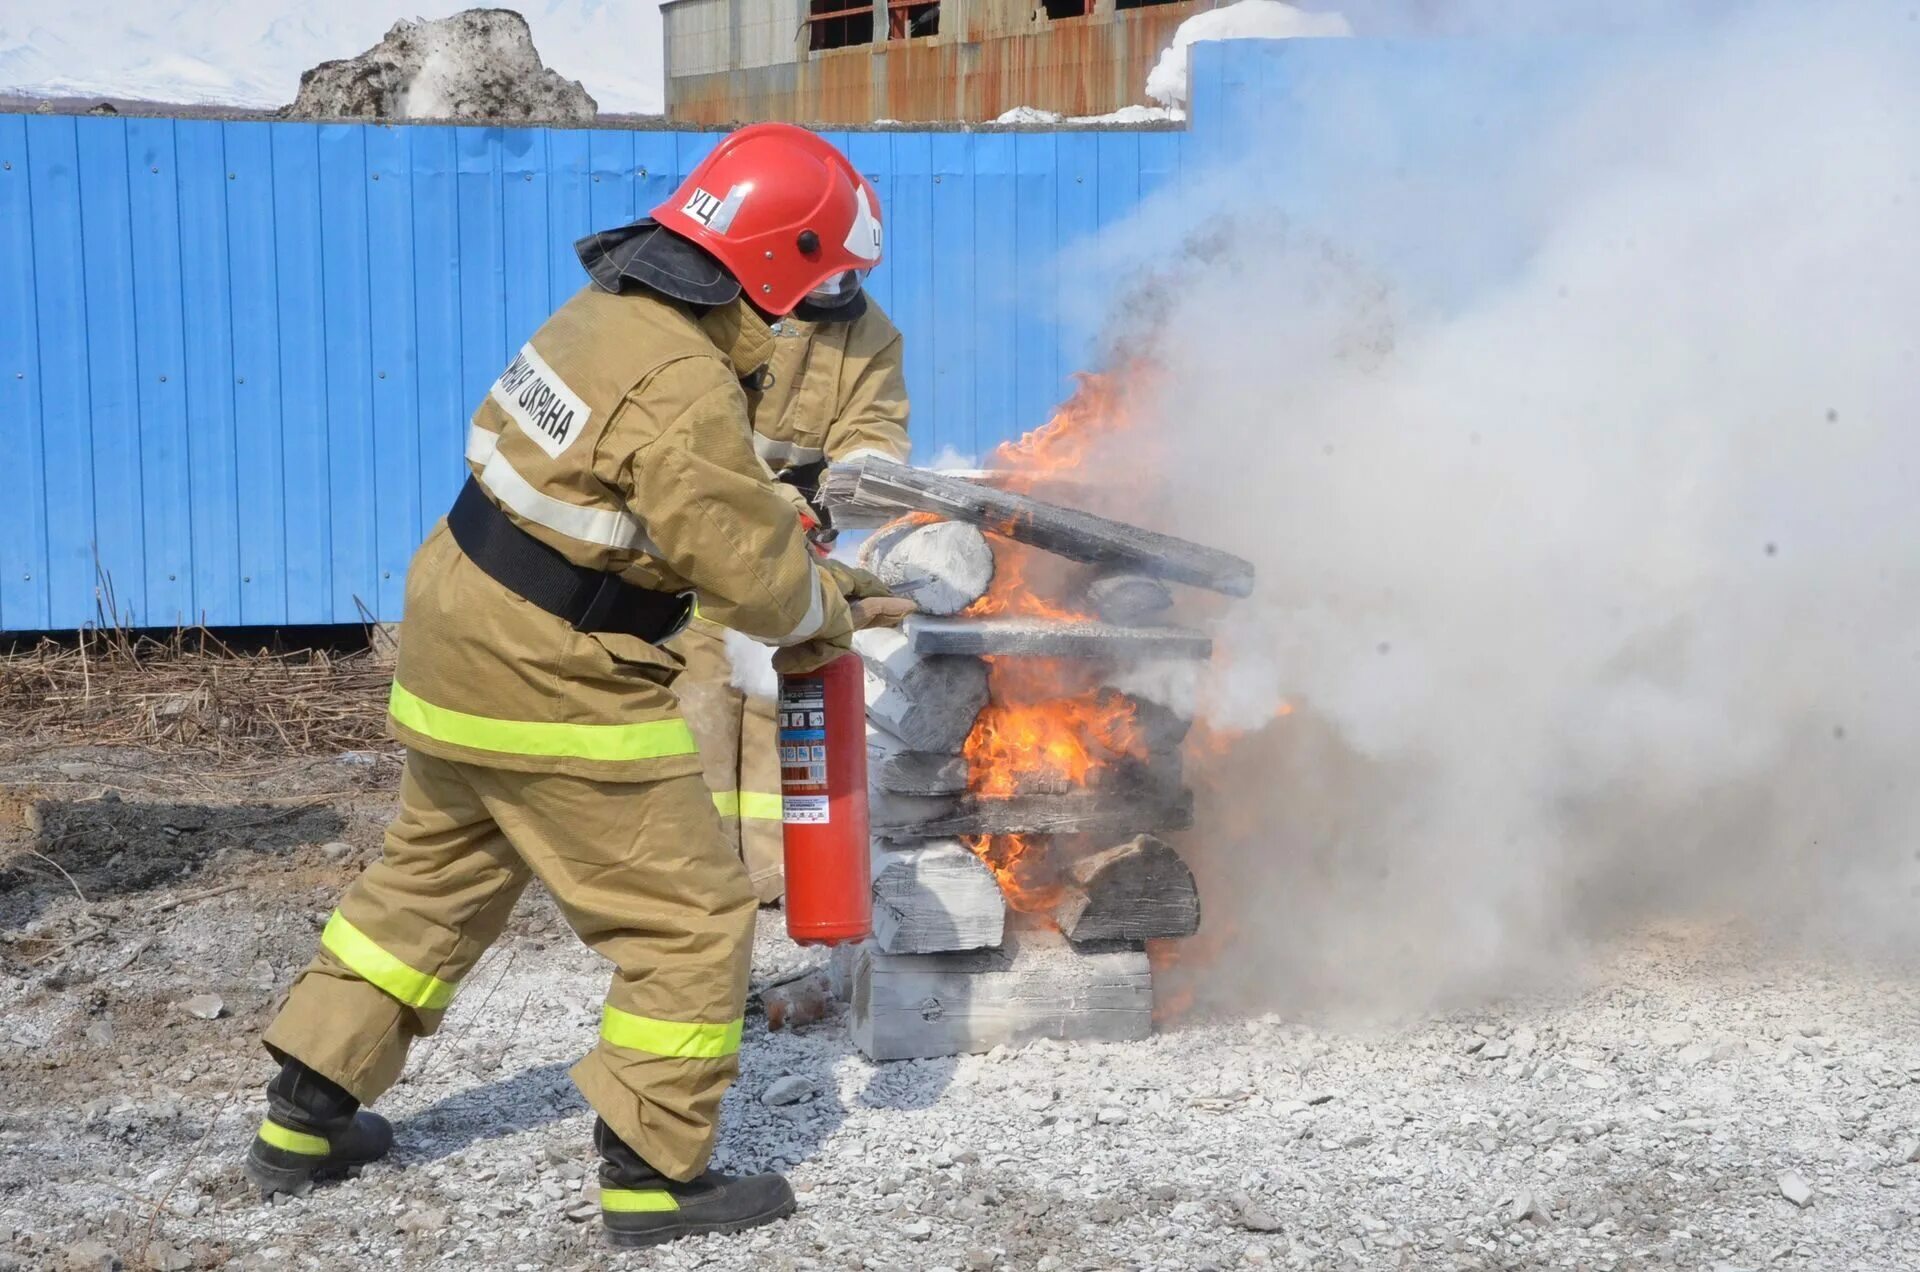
x,y
1248,20
250,53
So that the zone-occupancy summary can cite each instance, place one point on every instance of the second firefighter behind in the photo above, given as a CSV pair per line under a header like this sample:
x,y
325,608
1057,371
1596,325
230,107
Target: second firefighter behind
x,y
834,391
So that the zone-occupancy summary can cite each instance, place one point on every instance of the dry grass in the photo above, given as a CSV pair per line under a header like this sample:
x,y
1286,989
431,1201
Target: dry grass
x,y
191,691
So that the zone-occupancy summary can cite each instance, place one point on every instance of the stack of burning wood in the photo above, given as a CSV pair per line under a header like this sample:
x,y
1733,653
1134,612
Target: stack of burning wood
x,y
1024,760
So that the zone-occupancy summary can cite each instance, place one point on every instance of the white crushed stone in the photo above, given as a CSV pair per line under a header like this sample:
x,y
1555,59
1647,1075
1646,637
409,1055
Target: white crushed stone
x,y
1593,1142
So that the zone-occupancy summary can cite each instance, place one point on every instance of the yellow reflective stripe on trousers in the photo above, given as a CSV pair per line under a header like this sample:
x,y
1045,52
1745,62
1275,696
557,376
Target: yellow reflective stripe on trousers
x,y
634,1201
680,1039
757,805
294,1141
644,740
382,970
762,806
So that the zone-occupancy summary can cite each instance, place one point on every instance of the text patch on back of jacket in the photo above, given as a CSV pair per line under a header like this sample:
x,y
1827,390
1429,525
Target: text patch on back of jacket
x,y
540,402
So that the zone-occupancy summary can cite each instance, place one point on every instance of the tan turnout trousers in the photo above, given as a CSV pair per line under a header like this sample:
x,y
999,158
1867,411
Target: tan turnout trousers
x,y
739,754
641,873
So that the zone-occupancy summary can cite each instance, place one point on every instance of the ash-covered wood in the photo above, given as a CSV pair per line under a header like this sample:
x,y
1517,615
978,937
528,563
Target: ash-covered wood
x,y
886,809
1138,891
929,703
933,897
894,766
1034,986
942,568
1048,638
873,485
1129,599
885,537
1077,813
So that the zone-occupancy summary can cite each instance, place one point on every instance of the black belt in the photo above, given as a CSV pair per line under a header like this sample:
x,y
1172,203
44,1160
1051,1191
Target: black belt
x,y
591,600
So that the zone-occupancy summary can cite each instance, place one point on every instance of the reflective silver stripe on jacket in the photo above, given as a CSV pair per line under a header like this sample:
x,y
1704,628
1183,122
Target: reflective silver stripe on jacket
x,y
865,451
603,527
790,454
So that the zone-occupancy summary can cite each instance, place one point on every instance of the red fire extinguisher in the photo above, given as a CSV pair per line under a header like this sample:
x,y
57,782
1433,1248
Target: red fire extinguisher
x,y
823,792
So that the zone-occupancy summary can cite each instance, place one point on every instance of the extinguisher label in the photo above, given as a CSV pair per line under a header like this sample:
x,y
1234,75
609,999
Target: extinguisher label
x,y
803,751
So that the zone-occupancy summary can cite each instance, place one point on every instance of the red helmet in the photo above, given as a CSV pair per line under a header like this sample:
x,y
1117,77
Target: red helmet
x,y
782,210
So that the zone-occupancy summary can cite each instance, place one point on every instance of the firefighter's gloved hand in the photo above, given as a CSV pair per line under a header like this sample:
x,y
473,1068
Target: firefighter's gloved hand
x,y
855,583
880,611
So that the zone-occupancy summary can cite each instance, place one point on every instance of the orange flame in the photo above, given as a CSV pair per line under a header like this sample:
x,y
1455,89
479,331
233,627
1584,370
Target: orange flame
x,y
1047,729
1098,408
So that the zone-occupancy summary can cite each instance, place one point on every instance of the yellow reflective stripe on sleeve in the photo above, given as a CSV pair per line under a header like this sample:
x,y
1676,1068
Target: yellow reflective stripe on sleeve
x,y
680,1039
632,1201
294,1141
382,970
644,740
761,806
726,803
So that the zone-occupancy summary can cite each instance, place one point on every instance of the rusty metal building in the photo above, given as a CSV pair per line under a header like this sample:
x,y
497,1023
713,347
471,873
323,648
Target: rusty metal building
x,y
914,61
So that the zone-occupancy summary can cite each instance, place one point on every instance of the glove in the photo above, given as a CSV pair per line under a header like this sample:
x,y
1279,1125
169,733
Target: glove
x,y
855,583
880,611
820,536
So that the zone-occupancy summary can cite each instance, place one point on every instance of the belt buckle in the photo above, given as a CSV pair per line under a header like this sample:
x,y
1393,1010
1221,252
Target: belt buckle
x,y
687,600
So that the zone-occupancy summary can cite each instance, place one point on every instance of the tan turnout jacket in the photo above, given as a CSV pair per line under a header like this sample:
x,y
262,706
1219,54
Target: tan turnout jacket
x,y
834,391
618,435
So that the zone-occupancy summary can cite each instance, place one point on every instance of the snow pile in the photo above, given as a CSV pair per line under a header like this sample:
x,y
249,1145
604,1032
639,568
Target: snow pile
x,y
1131,115
1248,20
480,64
251,53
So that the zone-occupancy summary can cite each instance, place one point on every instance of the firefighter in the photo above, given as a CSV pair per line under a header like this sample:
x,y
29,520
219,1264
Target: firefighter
x,y
612,480
834,391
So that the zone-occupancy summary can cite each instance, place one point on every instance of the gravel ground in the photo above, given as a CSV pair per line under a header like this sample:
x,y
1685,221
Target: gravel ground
x,y
1699,1102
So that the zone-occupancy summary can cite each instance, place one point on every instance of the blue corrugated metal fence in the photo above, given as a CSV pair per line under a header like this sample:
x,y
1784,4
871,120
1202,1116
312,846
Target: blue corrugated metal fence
x,y
237,359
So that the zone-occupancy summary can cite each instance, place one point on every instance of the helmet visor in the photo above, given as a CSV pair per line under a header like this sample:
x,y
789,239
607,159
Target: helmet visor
x,y
837,290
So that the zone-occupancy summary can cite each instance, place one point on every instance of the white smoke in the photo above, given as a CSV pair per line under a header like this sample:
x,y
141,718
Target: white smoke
x,y
1576,437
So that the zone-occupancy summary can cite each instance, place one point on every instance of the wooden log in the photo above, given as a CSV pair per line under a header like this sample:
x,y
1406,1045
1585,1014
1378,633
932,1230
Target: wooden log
x,y
1158,728
1034,986
933,897
1128,599
903,813
927,702
942,568
1078,813
1047,638
882,485
1137,891
894,766
886,536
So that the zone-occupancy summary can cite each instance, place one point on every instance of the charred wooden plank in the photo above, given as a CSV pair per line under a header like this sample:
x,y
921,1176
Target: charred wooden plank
x,y
1048,638
1035,986
933,897
882,485
1079,813
1137,891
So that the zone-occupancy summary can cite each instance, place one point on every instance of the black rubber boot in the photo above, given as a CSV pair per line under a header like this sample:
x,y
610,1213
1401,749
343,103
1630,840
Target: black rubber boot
x,y
642,1207
314,1130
